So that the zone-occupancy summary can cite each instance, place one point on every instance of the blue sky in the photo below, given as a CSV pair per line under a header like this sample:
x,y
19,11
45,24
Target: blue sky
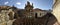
x,y
41,4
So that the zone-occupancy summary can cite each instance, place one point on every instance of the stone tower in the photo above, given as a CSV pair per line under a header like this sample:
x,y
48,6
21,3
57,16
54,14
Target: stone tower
x,y
28,6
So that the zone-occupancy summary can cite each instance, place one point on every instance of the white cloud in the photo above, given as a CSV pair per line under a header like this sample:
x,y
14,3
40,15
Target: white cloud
x,y
18,3
6,2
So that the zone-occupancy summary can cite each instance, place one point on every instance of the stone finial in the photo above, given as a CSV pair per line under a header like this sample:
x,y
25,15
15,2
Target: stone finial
x,y
28,3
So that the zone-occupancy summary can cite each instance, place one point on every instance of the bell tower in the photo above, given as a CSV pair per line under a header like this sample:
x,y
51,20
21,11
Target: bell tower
x,y
29,7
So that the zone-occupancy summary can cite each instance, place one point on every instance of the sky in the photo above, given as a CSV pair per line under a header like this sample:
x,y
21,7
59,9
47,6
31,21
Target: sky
x,y
41,4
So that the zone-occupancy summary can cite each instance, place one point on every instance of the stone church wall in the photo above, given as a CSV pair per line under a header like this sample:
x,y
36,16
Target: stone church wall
x,y
5,18
56,9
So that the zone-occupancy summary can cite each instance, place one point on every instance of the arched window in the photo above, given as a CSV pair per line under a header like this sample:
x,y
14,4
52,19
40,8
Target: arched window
x,y
40,14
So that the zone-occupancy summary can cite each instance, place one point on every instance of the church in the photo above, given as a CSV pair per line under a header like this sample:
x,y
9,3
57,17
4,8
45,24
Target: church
x,y
31,16
29,11
27,16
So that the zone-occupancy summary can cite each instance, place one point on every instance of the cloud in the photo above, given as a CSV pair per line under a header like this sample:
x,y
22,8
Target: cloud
x,y
6,2
18,3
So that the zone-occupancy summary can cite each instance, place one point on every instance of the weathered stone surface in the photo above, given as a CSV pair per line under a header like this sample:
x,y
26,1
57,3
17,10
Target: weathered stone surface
x,y
5,18
56,10
10,22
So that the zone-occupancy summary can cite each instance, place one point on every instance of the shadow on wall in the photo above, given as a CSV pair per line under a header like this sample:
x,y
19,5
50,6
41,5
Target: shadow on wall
x,y
51,19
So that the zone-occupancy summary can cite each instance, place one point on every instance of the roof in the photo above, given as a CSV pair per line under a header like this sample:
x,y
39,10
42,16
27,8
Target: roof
x,y
37,9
